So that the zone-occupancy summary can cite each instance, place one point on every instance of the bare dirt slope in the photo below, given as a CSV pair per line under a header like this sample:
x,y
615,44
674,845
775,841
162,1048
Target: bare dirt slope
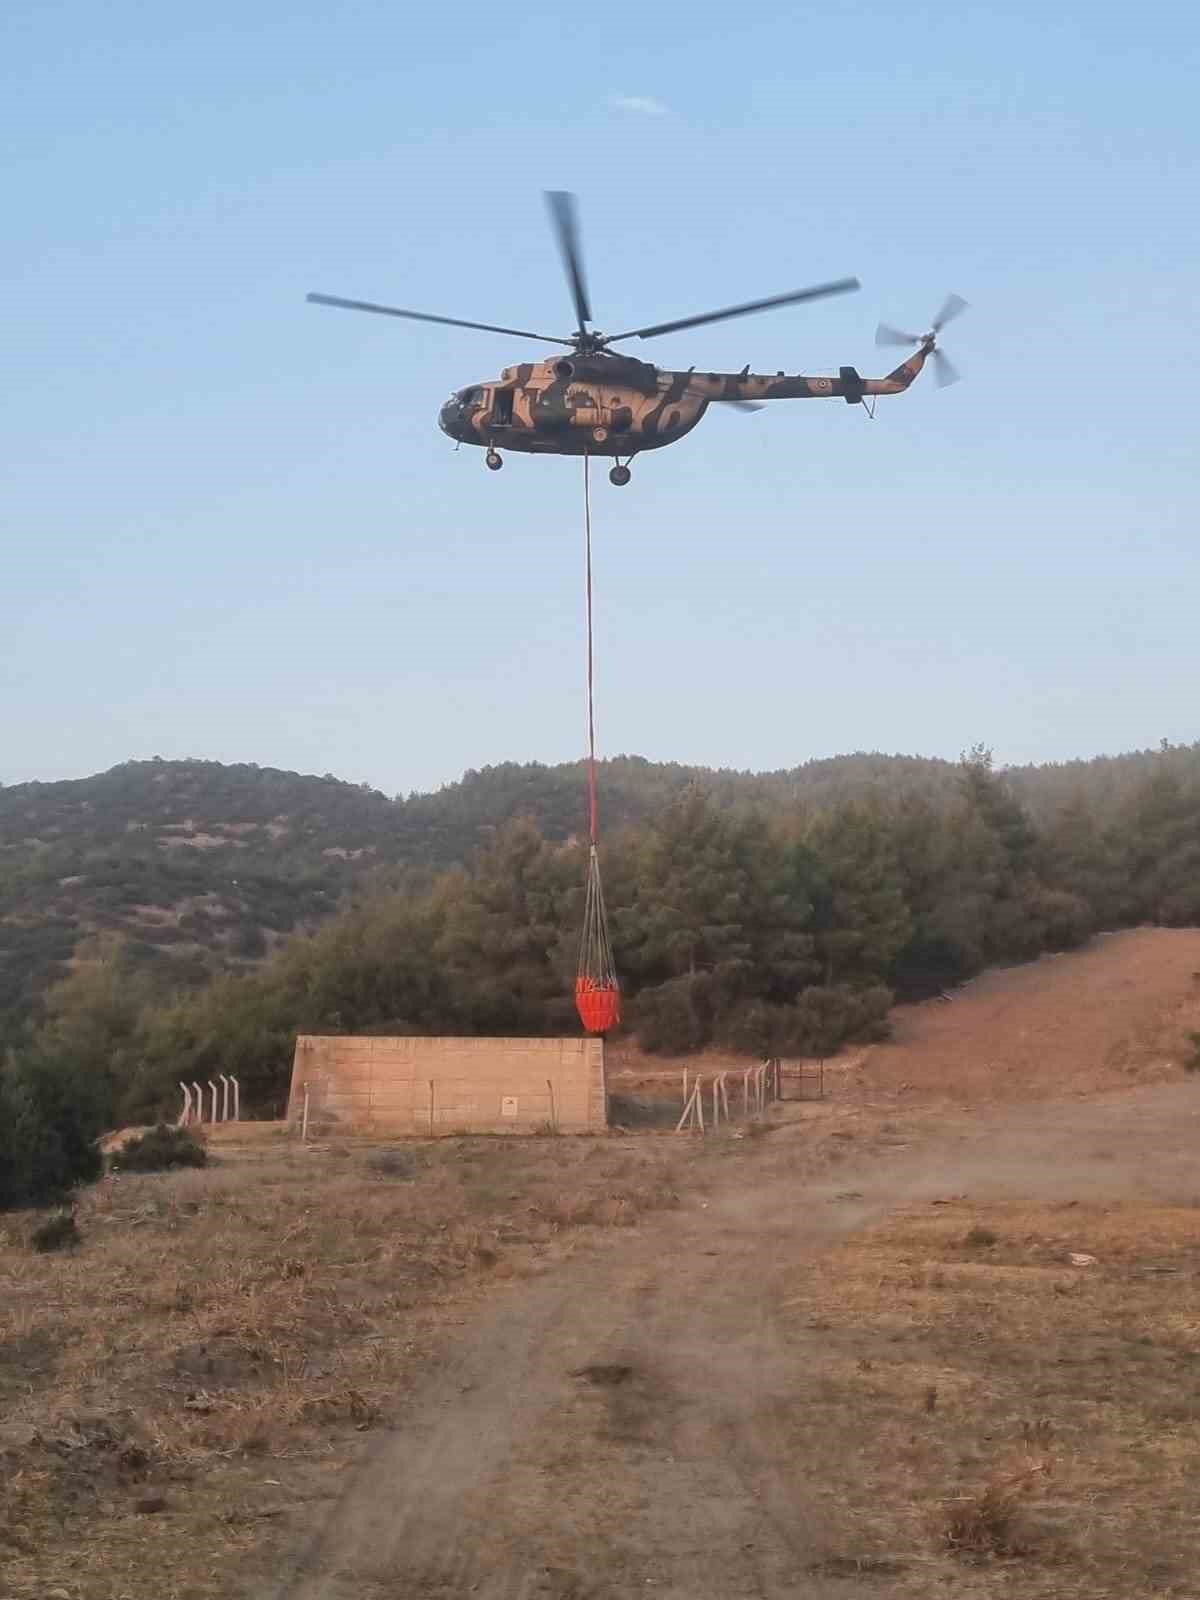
x,y
1111,1015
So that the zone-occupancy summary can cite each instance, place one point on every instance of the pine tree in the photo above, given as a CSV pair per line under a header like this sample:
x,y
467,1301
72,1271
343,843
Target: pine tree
x,y
860,919
1158,839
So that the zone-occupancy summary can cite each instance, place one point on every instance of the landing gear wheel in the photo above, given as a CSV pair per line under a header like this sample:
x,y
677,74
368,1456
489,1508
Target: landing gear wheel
x,y
620,476
494,460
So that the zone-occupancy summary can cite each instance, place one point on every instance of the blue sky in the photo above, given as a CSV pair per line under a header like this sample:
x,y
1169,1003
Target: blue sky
x,y
234,531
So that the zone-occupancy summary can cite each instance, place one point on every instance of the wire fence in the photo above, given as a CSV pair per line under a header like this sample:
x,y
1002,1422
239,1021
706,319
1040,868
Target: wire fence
x,y
729,1095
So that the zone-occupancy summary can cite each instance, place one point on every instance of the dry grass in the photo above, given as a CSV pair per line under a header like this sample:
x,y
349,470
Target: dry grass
x,y
1011,1426
268,1307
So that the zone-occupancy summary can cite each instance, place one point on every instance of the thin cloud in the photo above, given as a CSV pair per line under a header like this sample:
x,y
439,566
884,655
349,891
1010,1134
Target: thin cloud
x,y
643,104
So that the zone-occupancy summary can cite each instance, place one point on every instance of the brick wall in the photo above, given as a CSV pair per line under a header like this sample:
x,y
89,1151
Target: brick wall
x,y
441,1086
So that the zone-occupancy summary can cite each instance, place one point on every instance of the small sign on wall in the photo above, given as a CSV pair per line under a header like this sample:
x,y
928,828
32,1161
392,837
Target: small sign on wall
x,y
508,1106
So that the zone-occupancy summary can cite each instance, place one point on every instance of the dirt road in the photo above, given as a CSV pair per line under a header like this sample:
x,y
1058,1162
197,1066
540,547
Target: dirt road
x,y
607,1431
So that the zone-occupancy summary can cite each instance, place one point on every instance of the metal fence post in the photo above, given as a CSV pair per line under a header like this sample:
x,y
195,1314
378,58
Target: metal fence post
x,y
689,1110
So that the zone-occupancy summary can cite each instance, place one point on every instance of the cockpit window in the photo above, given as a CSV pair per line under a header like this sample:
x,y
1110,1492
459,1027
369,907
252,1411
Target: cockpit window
x,y
469,396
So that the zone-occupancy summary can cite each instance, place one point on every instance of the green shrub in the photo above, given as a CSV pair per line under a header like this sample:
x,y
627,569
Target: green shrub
x,y
158,1150
756,1029
50,1118
673,1018
825,1018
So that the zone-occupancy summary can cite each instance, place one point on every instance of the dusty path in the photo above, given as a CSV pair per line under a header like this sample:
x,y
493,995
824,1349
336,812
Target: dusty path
x,y
510,1478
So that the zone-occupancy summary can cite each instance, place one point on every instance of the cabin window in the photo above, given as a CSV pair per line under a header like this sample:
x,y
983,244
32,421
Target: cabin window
x,y
502,408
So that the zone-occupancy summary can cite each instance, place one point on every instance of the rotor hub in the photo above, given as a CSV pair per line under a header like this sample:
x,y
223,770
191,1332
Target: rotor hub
x,y
589,342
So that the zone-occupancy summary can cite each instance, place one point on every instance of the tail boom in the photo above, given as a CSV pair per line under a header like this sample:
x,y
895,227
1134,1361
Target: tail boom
x,y
847,386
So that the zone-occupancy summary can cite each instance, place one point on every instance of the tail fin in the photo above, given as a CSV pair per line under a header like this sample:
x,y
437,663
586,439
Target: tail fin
x,y
897,381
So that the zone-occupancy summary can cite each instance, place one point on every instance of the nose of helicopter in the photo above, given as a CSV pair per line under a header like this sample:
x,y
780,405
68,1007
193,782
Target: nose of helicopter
x,y
450,416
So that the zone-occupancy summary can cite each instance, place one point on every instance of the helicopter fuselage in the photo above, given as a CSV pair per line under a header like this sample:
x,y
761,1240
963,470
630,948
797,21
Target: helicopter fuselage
x,y
596,401
587,404
603,404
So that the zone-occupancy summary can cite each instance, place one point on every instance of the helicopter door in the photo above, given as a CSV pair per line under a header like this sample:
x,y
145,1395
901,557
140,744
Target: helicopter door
x,y
586,408
502,408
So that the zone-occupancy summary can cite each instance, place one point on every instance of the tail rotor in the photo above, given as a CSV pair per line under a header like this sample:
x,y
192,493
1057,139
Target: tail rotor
x,y
944,370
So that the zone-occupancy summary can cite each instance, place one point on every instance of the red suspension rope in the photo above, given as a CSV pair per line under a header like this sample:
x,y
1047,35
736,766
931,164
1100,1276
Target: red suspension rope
x,y
597,993
591,687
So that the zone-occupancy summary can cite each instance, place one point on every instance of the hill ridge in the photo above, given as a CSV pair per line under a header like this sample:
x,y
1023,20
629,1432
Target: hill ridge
x,y
208,865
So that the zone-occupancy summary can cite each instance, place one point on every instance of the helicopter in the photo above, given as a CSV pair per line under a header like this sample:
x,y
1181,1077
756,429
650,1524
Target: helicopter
x,y
600,402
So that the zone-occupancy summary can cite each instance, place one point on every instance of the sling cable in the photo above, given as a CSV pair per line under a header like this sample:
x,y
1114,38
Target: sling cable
x,y
597,992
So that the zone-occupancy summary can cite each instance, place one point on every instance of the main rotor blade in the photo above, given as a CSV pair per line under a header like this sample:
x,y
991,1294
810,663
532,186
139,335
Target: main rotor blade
x,y
886,334
954,307
424,316
944,371
817,292
566,230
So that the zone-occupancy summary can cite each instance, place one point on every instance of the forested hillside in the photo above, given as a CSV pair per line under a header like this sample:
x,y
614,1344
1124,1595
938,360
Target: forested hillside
x,y
201,868
776,913
198,868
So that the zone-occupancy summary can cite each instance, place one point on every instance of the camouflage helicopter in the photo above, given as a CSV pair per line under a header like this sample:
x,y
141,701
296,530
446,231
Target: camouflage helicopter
x,y
598,402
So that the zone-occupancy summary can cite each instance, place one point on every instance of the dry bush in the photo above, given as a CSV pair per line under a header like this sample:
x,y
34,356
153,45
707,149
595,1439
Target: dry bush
x,y
991,1522
57,1232
392,1164
158,1150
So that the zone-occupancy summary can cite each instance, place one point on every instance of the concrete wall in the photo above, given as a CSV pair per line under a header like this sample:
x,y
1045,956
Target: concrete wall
x,y
439,1086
